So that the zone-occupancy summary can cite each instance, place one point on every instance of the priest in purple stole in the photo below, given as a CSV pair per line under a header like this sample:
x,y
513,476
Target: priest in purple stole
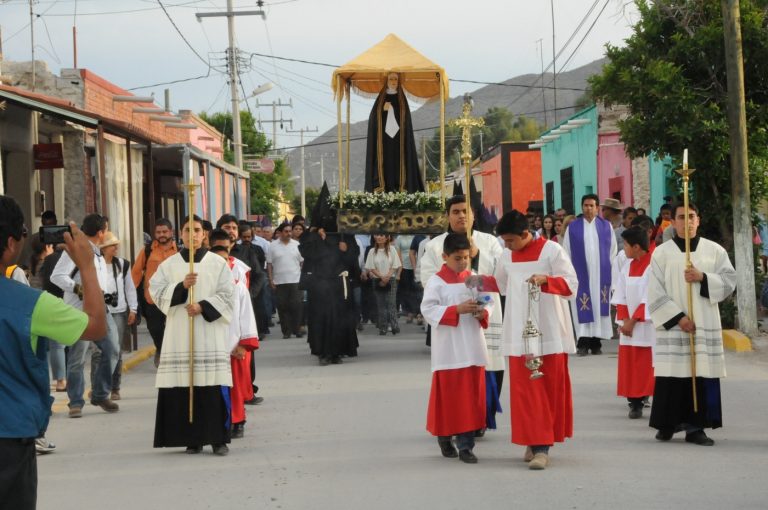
x,y
591,244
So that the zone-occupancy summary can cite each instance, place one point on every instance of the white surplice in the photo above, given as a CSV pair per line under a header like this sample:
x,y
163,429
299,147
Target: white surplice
x,y
667,298
550,313
458,346
632,291
600,327
211,353
490,251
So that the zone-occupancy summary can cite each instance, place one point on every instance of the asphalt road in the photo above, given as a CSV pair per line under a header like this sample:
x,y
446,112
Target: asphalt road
x,y
352,436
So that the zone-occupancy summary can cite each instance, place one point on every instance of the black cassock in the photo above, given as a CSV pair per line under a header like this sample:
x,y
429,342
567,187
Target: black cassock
x,y
331,319
388,166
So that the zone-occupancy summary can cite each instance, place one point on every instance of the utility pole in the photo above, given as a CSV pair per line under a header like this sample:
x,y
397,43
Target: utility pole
x,y
740,193
32,37
275,121
554,57
303,180
543,91
234,72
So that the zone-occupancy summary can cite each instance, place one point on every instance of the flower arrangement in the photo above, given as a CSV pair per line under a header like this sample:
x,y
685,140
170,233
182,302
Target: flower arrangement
x,y
391,201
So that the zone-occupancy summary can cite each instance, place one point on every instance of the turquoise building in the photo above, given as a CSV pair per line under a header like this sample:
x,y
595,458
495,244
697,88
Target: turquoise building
x,y
569,161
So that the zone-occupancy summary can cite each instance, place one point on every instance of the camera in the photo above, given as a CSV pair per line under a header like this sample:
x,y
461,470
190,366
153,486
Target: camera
x,y
53,234
111,299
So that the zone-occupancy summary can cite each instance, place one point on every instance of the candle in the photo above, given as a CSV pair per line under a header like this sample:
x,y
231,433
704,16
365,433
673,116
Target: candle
x,y
685,158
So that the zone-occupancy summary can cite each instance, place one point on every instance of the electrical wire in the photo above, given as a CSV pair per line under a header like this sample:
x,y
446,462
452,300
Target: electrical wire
x,y
585,35
181,34
172,82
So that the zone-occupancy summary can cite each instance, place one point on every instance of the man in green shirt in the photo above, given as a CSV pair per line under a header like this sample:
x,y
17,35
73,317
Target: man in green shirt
x,y
28,319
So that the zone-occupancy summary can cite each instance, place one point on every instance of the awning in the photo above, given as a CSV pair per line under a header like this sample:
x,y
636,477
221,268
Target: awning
x,y
47,105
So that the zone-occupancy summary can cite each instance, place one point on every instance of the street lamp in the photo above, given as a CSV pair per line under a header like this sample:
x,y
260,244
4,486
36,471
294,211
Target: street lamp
x,y
260,90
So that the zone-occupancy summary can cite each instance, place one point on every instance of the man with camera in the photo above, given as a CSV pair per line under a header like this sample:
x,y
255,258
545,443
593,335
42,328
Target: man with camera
x,y
28,317
68,278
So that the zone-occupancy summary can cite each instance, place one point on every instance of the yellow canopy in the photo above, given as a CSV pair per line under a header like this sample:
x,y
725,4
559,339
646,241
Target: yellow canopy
x,y
367,73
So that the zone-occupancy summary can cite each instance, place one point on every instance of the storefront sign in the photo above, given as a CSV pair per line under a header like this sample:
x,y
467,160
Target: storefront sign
x,y
48,156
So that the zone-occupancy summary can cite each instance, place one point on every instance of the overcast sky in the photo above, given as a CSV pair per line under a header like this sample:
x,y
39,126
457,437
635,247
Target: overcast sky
x,y
133,43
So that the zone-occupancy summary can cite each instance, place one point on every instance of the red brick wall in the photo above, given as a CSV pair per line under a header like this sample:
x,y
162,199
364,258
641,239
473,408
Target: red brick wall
x,y
98,94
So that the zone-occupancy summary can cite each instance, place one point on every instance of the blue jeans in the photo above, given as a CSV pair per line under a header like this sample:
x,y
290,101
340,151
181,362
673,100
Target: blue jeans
x,y
110,348
121,324
57,360
464,441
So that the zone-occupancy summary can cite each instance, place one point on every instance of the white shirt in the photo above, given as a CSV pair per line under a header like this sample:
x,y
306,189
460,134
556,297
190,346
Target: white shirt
x,y
61,276
286,261
383,261
126,292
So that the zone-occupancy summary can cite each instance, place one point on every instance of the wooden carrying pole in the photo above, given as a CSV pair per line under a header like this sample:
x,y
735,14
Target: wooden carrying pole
x,y
339,146
190,232
686,172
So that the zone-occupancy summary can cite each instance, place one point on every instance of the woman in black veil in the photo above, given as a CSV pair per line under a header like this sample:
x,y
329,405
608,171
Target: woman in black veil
x,y
391,162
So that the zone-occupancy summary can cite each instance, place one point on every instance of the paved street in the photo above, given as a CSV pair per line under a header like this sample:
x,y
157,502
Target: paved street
x,y
352,436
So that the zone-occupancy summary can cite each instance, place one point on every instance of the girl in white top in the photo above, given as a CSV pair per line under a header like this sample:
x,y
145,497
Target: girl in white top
x,y
384,266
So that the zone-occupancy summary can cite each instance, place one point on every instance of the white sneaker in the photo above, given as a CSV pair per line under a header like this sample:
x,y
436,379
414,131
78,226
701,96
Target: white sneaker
x,y
43,446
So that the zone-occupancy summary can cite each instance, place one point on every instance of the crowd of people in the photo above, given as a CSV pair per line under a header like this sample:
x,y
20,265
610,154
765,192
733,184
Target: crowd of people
x,y
222,285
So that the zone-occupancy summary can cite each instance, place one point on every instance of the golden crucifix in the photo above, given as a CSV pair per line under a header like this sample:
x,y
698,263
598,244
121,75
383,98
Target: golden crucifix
x,y
466,122
686,172
191,188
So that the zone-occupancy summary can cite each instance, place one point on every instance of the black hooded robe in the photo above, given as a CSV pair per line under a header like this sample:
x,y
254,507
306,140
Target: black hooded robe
x,y
389,175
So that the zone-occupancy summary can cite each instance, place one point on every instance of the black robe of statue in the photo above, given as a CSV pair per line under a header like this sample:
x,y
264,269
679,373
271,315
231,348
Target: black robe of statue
x,y
331,319
399,168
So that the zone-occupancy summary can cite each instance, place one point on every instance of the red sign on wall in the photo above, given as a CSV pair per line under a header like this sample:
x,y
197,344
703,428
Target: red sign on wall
x,y
48,156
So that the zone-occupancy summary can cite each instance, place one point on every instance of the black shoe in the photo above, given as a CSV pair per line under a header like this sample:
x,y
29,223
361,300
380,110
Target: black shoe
x,y
254,401
467,457
448,450
480,433
220,449
699,438
238,429
597,352
336,360
192,450
324,361
298,335
635,413
395,330
582,351
664,434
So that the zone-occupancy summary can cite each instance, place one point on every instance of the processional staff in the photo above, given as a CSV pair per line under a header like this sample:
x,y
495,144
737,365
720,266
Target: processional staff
x,y
466,122
191,189
686,172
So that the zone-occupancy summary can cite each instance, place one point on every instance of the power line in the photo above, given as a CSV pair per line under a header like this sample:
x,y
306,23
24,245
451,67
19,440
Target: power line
x,y
181,80
358,138
585,35
160,3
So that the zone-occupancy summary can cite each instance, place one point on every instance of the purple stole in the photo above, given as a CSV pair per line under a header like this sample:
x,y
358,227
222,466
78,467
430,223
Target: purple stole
x,y
578,257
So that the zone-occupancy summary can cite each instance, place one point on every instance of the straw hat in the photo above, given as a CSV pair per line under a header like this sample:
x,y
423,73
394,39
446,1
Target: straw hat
x,y
612,203
110,239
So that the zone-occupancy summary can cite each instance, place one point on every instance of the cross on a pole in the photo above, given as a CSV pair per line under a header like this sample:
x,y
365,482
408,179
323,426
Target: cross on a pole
x,y
466,122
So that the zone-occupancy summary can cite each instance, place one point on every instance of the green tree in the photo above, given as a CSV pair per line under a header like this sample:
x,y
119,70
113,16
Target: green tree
x,y
501,125
311,195
265,188
672,75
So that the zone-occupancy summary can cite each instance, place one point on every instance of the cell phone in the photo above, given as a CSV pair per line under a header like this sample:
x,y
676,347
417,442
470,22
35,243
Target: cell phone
x,y
53,234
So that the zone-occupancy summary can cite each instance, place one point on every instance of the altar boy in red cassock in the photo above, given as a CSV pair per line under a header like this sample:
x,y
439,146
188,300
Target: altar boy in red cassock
x,y
457,400
541,409
637,333
244,337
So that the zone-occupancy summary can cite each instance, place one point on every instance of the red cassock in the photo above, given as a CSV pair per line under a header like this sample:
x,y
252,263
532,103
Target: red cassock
x,y
456,401
242,389
635,374
541,409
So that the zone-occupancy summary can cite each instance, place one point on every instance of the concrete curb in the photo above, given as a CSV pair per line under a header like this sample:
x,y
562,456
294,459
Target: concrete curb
x,y
138,357
736,341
